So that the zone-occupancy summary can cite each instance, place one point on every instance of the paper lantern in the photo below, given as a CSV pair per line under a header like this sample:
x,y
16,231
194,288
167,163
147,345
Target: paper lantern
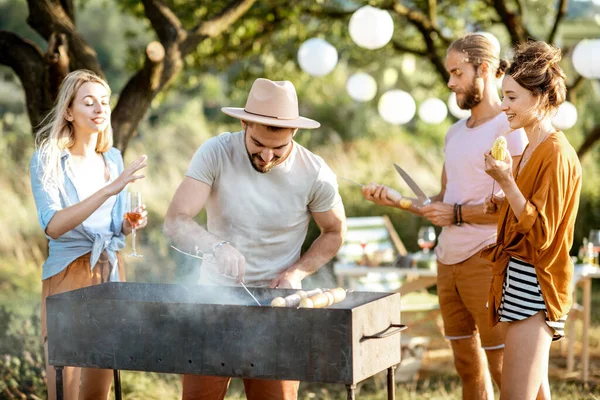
x,y
361,87
566,116
433,111
396,107
371,28
492,39
455,109
586,58
317,57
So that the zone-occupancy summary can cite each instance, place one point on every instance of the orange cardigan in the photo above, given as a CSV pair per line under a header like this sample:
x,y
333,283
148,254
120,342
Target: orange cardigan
x,y
543,234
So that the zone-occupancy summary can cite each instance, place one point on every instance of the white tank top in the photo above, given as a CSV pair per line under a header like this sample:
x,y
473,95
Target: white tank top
x,y
101,219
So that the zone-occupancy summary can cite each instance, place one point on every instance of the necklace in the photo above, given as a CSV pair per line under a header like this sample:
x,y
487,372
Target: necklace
x,y
524,159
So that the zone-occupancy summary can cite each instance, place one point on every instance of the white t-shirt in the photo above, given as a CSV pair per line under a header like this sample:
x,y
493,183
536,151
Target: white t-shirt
x,y
468,183
265,216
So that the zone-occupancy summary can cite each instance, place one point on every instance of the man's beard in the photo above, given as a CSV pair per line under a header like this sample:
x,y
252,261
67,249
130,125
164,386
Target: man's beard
x,y
255,159
471,96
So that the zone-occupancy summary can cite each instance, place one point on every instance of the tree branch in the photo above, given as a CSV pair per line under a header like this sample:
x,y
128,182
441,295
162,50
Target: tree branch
x,y
513,22
405,49
57,61
216,25
522,8
26,60
589,141
561,12
420,20
48,17
432,8
69,8
165,23
574,88
428,31
137,96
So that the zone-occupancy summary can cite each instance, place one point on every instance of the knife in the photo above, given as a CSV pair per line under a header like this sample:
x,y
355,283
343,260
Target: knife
x,y
413,186
350,181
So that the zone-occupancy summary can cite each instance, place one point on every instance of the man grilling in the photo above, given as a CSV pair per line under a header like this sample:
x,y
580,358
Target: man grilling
x,y
260,189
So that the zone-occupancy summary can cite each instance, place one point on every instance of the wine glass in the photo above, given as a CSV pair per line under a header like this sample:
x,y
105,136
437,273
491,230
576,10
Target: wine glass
x,y
134,216
426,238
594,237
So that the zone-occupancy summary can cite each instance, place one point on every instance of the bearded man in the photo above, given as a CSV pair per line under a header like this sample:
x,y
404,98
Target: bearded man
x,y
464,278
260,189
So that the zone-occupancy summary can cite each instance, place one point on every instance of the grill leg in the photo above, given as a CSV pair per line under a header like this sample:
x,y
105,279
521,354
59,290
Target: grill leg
x,y
391,382
117,378
351,392
59,383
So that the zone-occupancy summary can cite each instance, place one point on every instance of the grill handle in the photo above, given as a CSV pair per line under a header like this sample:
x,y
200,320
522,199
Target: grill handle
x,y
387,332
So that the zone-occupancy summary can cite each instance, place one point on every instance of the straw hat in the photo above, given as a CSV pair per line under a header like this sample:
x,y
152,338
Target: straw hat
x,y
274,104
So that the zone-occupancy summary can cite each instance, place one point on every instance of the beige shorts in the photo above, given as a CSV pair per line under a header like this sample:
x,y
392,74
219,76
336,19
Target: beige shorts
x,y
463,290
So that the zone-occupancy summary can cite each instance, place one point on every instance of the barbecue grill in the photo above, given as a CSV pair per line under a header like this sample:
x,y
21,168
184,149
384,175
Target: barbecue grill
x,y
209,330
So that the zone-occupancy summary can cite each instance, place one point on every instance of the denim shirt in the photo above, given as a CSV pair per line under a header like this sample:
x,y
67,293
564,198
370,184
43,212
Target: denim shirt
x,y
80,240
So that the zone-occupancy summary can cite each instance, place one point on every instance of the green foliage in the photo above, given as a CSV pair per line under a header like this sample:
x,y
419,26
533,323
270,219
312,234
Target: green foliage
x,y
22,369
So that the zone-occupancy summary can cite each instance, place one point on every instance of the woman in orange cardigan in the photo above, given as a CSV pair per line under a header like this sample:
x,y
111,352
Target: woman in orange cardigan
x,y
532,268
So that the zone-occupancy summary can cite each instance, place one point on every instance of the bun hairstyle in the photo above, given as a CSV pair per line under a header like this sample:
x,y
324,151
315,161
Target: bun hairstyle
x,y
536,67
477,49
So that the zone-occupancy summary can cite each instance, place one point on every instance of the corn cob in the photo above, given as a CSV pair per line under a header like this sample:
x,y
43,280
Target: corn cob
x,y
405,203
499,150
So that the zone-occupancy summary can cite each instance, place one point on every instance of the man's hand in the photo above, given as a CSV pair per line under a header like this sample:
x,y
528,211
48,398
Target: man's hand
x,y
230,262
440,214
381,195
287,280
492,204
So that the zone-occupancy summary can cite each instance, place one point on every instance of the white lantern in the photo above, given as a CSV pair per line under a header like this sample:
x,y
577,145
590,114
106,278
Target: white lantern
x,y
433,111
361,87
565,117
409,64
586,58
396,107
371,28
491,38
455,109
317,57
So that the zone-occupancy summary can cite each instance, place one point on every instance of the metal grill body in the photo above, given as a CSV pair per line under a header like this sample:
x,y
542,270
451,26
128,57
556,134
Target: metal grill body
x,y
210,330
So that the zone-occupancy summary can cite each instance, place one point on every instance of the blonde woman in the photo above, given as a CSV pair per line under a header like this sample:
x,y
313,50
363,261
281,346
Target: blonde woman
x,y
77,179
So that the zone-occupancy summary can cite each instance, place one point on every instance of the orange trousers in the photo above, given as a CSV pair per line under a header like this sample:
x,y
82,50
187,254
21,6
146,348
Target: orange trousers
x,y
79,383
196,387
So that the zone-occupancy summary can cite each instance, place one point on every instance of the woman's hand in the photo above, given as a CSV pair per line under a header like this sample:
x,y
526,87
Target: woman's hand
x,y
500,170
143,222
492,204
127,176
381,195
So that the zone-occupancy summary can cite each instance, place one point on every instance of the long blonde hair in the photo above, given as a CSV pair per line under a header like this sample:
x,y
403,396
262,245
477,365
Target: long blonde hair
x,y
56,134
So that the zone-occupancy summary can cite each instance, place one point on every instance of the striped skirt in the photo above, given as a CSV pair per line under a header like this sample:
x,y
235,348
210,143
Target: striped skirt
x,y
522,297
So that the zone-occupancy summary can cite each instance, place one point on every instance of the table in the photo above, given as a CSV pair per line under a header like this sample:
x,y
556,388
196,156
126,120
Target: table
x,y
583,275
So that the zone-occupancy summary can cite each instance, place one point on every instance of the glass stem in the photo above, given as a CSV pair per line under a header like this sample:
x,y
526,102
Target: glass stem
x,y
133,240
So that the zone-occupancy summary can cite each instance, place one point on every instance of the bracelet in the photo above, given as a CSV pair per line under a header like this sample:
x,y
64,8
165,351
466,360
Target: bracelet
x,y
218,246
455,215
457,220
